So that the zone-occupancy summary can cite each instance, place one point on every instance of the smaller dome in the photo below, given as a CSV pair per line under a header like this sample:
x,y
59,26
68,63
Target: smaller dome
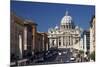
x,y
56,27
50,30
81,29
76,27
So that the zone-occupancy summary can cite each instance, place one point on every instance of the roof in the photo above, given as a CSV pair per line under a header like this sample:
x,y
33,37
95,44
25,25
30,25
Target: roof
x,y
17,19
92,18
21,20
30,22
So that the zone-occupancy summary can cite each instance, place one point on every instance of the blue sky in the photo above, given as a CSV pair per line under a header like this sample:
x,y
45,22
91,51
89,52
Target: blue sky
x,y
48,15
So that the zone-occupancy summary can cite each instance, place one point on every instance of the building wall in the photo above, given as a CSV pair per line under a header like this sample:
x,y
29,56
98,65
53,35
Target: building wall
x,y
23,36
17,36
92,35
45,41
86,42
65,39
29,36
39,43
81,44
65,36
34,34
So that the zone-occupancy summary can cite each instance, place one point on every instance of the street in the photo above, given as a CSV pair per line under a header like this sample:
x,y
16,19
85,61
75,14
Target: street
x,y
62,56
53,56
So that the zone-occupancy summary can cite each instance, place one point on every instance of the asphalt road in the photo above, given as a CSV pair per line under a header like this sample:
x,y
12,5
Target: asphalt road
x,y
63,56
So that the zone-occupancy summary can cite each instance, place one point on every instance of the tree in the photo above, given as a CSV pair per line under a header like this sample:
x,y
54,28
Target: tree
x,y
92,55
81,52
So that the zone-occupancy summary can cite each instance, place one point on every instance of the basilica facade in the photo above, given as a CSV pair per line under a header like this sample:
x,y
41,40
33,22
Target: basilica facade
x,y
67,35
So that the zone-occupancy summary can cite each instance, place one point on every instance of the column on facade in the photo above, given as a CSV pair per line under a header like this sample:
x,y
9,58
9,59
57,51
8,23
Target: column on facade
x,y
68,26
55,42
71,41
61,40
47,46
50,42
66,41
20,46
85,45
25,38
91,41
79,43
43,43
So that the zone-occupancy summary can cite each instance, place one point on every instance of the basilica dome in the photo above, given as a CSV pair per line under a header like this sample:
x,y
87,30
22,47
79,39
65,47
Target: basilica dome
x,y
66,19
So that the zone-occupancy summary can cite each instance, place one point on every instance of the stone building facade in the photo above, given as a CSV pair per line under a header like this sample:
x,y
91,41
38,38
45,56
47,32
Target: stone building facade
x,y
41,42
92,34
16,36
86,42
29,36
66,36
45,41
24,38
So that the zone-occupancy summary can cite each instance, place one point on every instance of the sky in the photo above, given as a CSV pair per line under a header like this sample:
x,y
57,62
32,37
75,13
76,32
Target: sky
x,y
48,15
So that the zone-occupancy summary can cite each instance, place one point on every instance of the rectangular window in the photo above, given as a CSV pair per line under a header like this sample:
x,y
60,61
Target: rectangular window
x,y
59,43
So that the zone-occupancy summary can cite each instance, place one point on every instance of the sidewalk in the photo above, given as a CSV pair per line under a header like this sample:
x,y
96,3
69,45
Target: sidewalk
x,y
19,62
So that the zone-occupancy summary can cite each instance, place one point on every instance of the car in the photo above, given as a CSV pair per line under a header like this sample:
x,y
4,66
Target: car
x,y
66,61
64,52
72,58
47,54
59,53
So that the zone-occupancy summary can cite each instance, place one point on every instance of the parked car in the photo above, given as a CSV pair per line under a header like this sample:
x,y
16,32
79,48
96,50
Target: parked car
x,y
59,53
50,53
72,58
